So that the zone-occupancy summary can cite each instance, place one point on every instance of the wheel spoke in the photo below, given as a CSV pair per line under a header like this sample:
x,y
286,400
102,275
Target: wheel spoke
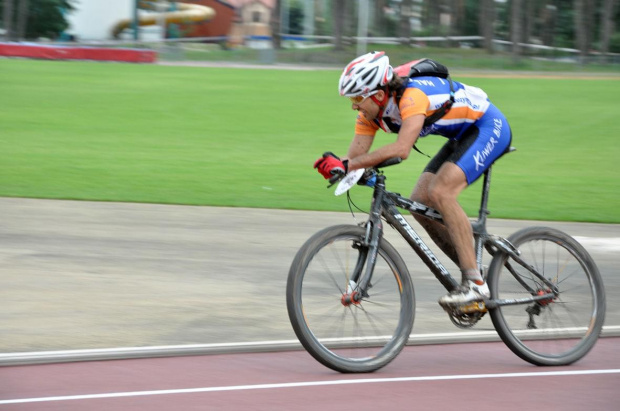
x,y
566,327
340,331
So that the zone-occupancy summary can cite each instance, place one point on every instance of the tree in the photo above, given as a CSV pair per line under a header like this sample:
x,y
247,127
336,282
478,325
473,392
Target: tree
x,y
431,12
344,18
457,17
338,11
275,25
350,18
516,28
529,26
33,19
607,24
406,9
487,22
583,14
380,20
549,18
22,18
561,12
296,18
7,11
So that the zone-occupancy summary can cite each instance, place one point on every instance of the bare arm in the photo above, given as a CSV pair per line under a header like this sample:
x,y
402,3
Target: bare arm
x,y
360,145
359,157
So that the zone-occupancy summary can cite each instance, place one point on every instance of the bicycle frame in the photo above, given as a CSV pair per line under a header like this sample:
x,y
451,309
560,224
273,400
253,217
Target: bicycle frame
x,y
386,204
360,320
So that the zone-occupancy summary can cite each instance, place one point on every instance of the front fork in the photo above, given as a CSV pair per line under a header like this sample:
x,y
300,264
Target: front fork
x,y
369,249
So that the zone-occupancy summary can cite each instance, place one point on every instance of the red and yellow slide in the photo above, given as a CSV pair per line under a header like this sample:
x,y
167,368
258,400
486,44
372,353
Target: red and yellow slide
x,y
185,13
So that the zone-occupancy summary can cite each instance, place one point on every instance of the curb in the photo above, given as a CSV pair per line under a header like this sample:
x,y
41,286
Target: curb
x,y
49,357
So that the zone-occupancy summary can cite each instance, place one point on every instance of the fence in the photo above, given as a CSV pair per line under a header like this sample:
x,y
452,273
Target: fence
x,y
457,51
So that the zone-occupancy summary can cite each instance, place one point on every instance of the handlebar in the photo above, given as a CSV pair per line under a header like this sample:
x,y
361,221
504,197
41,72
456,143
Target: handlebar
x,y
335,178
389,162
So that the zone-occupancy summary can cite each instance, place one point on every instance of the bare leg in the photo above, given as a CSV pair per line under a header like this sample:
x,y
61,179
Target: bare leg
x,y
437,231
442,191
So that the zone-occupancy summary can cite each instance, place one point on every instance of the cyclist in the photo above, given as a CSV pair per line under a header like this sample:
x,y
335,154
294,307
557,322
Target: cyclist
x,y
477,132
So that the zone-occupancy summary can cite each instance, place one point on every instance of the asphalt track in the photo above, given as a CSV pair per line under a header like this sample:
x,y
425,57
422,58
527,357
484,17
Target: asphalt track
x,y
107,276
90,280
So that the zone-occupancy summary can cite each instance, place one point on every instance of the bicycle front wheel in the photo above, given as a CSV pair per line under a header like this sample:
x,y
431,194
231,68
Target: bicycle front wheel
x,y
344,335
555,331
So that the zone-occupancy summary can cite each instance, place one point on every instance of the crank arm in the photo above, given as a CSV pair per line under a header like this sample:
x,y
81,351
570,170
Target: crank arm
x,y
518,301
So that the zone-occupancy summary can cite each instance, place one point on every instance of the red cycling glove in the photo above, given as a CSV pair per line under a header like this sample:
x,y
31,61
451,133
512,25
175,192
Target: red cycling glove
x,y
330,164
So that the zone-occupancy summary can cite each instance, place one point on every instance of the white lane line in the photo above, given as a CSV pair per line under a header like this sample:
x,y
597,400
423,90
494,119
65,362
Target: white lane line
x,y
600,243
123,353
308,384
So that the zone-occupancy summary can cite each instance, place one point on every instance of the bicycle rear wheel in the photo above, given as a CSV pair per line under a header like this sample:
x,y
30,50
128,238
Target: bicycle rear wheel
x,y
343,335
554,331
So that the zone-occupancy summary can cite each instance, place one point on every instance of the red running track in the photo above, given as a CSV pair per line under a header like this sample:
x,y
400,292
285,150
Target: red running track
x,y
478,376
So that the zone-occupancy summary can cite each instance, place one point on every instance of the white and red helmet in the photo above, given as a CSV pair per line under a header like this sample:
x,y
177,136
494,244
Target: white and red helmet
x,y
365,74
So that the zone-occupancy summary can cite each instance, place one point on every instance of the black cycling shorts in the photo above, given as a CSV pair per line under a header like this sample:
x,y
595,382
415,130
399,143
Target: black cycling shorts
x,y
484,142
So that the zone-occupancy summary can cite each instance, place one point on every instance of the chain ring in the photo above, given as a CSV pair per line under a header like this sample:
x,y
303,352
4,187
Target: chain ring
x,y
465,321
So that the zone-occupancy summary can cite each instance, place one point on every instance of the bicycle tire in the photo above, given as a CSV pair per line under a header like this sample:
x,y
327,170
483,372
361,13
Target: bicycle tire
x,y
556,331
349,338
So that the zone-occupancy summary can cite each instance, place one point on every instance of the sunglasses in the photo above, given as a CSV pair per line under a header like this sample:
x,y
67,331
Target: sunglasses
x,y
357,100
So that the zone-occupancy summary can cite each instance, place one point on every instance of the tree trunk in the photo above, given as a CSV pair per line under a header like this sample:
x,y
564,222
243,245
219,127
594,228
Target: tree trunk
x,y
580,36
607,24
349,18
530,13
431,14
338,10
457,17
276,23
8,19
406,9
486,23
516,28
22,19
380,21
583,12
549,19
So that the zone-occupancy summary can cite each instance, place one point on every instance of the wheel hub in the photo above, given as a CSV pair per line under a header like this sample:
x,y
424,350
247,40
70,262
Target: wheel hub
x,y
547,301
351,298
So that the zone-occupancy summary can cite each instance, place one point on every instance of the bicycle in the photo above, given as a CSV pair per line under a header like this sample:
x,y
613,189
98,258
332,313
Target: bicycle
x,y
350,297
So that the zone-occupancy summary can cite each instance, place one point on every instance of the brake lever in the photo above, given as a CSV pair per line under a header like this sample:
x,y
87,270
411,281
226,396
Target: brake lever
x,y
334,179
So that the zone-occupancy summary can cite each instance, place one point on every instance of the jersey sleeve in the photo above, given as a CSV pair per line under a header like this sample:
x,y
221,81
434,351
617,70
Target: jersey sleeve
x,y
413,102
363,127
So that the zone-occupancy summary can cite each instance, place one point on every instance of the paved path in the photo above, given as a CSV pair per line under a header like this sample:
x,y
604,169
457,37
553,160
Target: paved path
x,y
85,275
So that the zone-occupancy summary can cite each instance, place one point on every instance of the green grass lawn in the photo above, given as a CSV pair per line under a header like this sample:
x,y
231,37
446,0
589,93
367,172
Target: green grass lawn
x,y
239,137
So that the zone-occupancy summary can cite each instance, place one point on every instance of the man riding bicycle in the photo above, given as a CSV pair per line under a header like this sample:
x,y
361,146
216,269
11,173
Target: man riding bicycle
x,y
477,132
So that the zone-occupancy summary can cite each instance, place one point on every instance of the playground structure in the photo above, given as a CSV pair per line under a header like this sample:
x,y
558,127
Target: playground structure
x,y
195,19
205,20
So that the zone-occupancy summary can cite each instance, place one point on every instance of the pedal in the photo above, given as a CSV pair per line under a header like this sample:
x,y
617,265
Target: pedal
x,y
475,307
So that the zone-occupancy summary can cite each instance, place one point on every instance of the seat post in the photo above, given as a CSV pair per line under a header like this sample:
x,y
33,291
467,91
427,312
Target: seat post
x,y
484,201
480,225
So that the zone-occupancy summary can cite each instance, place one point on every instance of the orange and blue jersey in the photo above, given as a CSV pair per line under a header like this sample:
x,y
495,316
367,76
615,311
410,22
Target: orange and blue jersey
x,y
472,119
424,95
